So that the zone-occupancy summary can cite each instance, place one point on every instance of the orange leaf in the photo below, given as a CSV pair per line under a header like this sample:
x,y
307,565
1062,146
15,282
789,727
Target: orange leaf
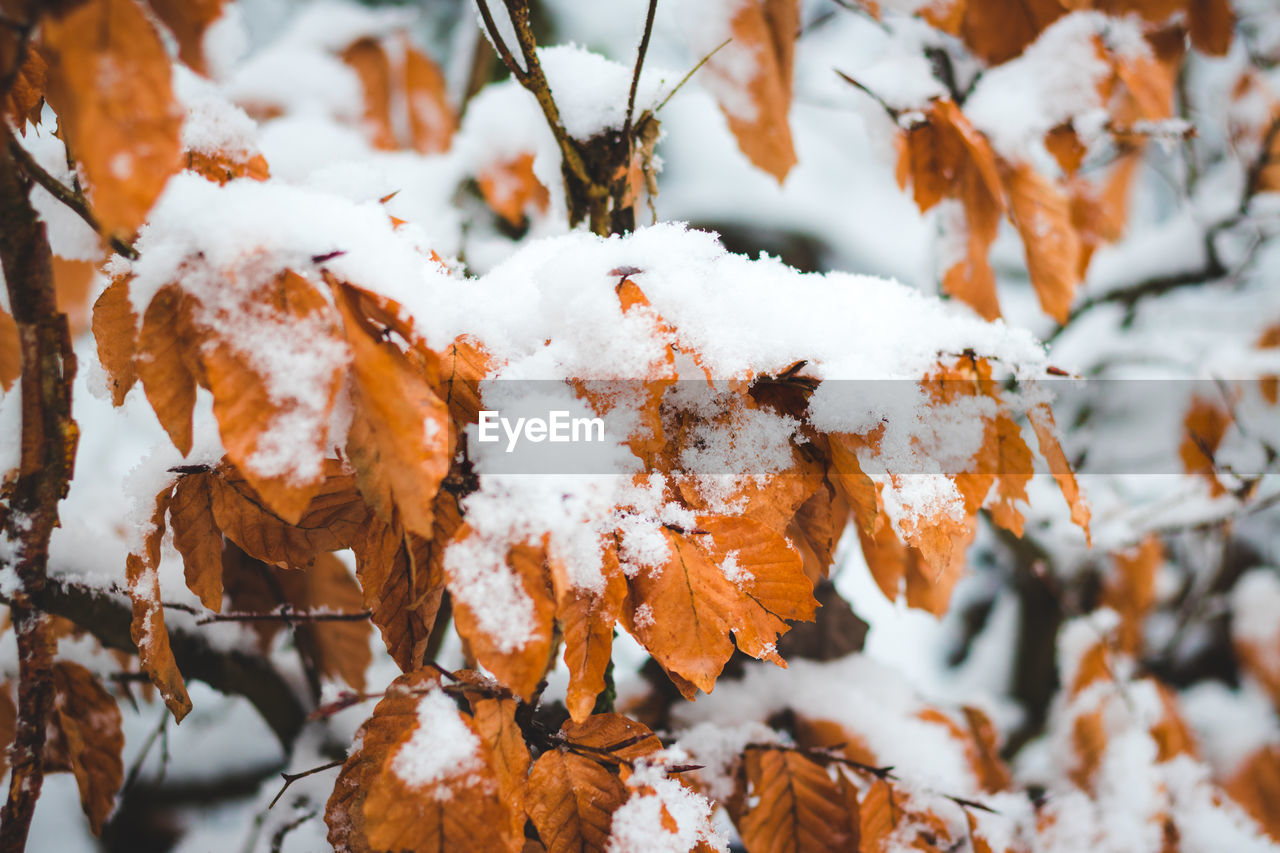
x,y
878,816
431,118
404,438
518,665
109,82
1255,785
372,65
198,538
511,189
26,94
115,328
393,717
1041,418
147,628
612,737
188,20
495,722
443,808
88,724
587,620
763,31
1270,385
402,576
1043,218
10,351
682,612
797,805
1212,24
339,649
462,367
1205,424
1130,590
277,438
998,31
572,800
167,361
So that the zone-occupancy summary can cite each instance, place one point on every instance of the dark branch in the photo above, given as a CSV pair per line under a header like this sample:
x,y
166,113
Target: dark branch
x,y
635,77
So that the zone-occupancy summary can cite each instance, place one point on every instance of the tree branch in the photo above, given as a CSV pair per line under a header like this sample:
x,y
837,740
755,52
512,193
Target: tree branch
x,y
69,196
635,76
48,449
107,615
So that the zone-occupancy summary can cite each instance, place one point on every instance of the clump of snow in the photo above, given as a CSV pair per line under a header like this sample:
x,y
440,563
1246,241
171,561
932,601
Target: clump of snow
x,y
441,748
639,825
718,748
1230,725
1255,603
212,124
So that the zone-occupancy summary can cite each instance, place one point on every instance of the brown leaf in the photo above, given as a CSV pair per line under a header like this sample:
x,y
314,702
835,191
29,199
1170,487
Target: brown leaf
x,y
10,351
1212,24
1205,424
572,800
405,438
198,538
495,721
1130,590
1255,785
402,577
798,806
371,64
458,810
998,31
109,82
330,522
511,189
612,737
115,328
339,648
587,620
88,722
681,612
1270,385
1041,418
983,748
518,665
252,409
188,20
764,30
431,118
224,167
167,362
25,98
878,817
393,718
147,628
1043,218
462,367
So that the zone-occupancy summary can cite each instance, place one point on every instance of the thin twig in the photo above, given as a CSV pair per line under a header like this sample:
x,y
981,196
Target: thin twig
x,y
290,778
68,196
893,113
289,616
692,71
635,77
277,838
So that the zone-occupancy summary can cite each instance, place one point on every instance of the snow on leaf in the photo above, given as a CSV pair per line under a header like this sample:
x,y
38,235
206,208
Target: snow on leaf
x,y
1043,218
587,621
110,83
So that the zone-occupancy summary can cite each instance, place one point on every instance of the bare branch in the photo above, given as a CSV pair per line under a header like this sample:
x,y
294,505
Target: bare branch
x,y
635,77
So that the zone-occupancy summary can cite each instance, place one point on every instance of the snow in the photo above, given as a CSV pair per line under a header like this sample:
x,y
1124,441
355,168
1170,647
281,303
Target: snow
x,y
441,748
1255,603
638,824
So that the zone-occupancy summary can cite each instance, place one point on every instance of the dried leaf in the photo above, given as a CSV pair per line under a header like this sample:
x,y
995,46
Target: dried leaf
x,y
405,437
166,362
518,665
147,628
25,98
798,806
431,118
109,82
1255,785
372,65
10,351
115,328
198,538
495,721
998,31
88,722
587,621
1205,424
339,648
1041,418
765,31
188,20
393,718
512,189
277,438
1043,217
572,800
612,737
1130,590
681,612
1212,23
